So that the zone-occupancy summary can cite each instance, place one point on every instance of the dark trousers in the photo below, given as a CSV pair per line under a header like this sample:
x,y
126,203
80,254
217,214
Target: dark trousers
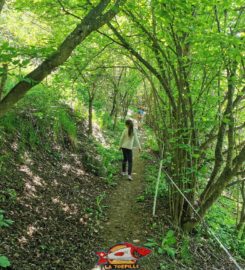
x,y
127,158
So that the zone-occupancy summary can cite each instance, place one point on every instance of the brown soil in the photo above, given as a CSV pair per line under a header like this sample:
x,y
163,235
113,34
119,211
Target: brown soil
x,y
125,221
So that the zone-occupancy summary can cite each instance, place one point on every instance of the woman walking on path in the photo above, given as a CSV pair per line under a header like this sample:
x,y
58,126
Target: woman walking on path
x,y
129,139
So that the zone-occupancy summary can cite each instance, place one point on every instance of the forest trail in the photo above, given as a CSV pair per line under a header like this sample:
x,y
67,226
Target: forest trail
x,y
124,212
126,215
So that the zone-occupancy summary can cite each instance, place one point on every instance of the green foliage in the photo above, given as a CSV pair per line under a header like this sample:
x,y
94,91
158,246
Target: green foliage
x,y
99,204
9,194
4,222
44,116
110,157
151,243
140,198
109,153
185,253
4,262
106,121
201,41
223,222
167,245
151,142
65,124
146,155
151,174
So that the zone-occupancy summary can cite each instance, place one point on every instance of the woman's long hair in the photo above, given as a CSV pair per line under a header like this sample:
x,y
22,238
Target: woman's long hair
x,y
130,125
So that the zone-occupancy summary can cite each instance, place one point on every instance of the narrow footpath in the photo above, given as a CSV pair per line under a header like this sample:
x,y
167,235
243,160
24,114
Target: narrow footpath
x,y
126,215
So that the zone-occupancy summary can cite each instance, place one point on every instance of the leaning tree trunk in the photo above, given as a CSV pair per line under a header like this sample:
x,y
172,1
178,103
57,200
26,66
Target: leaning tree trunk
x,y
96,18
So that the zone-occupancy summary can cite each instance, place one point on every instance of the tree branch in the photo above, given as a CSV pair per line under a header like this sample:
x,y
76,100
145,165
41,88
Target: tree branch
x,y
222,182
91,22
239,97
2,2
66,11
220,138
235,183
127,46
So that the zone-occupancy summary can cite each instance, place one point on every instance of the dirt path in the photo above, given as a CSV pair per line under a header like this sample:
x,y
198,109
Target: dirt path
x,y
125,213
126,216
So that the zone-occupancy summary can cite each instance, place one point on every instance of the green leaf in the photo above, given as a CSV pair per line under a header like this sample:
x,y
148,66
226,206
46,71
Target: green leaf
x,y
226,120
170,251
169,240
4,262
150,245
160,250
195,155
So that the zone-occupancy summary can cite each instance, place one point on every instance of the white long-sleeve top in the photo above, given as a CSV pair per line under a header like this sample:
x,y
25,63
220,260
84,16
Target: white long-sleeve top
x,y
129,142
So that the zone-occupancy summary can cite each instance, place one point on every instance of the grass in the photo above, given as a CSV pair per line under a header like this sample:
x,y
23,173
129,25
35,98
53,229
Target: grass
x,y
222,219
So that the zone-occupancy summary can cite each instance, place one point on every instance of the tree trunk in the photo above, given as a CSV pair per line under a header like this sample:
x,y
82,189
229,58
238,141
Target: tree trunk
x,y
241,224
221,135
163,82
90,116
114,103
222,181
2,2
91,22
3,79
115,119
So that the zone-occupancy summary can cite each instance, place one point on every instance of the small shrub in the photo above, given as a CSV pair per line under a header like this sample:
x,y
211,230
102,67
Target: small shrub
x,y
4,262
167,245
4,222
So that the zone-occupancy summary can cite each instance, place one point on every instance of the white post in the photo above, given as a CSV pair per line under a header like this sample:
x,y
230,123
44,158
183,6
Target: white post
x,y
157,183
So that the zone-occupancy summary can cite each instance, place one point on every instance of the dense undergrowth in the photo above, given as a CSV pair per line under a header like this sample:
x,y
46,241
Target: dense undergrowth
x,y
181,249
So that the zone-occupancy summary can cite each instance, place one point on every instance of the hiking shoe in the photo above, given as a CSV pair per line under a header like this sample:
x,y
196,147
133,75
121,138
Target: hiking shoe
x,y
123,173
130,178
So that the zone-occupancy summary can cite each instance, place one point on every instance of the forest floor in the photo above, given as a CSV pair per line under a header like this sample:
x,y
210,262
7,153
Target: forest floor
x,y
61,220
51,198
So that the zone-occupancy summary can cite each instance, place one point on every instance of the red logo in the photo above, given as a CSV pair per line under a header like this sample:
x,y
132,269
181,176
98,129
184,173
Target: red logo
x,y
123,255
